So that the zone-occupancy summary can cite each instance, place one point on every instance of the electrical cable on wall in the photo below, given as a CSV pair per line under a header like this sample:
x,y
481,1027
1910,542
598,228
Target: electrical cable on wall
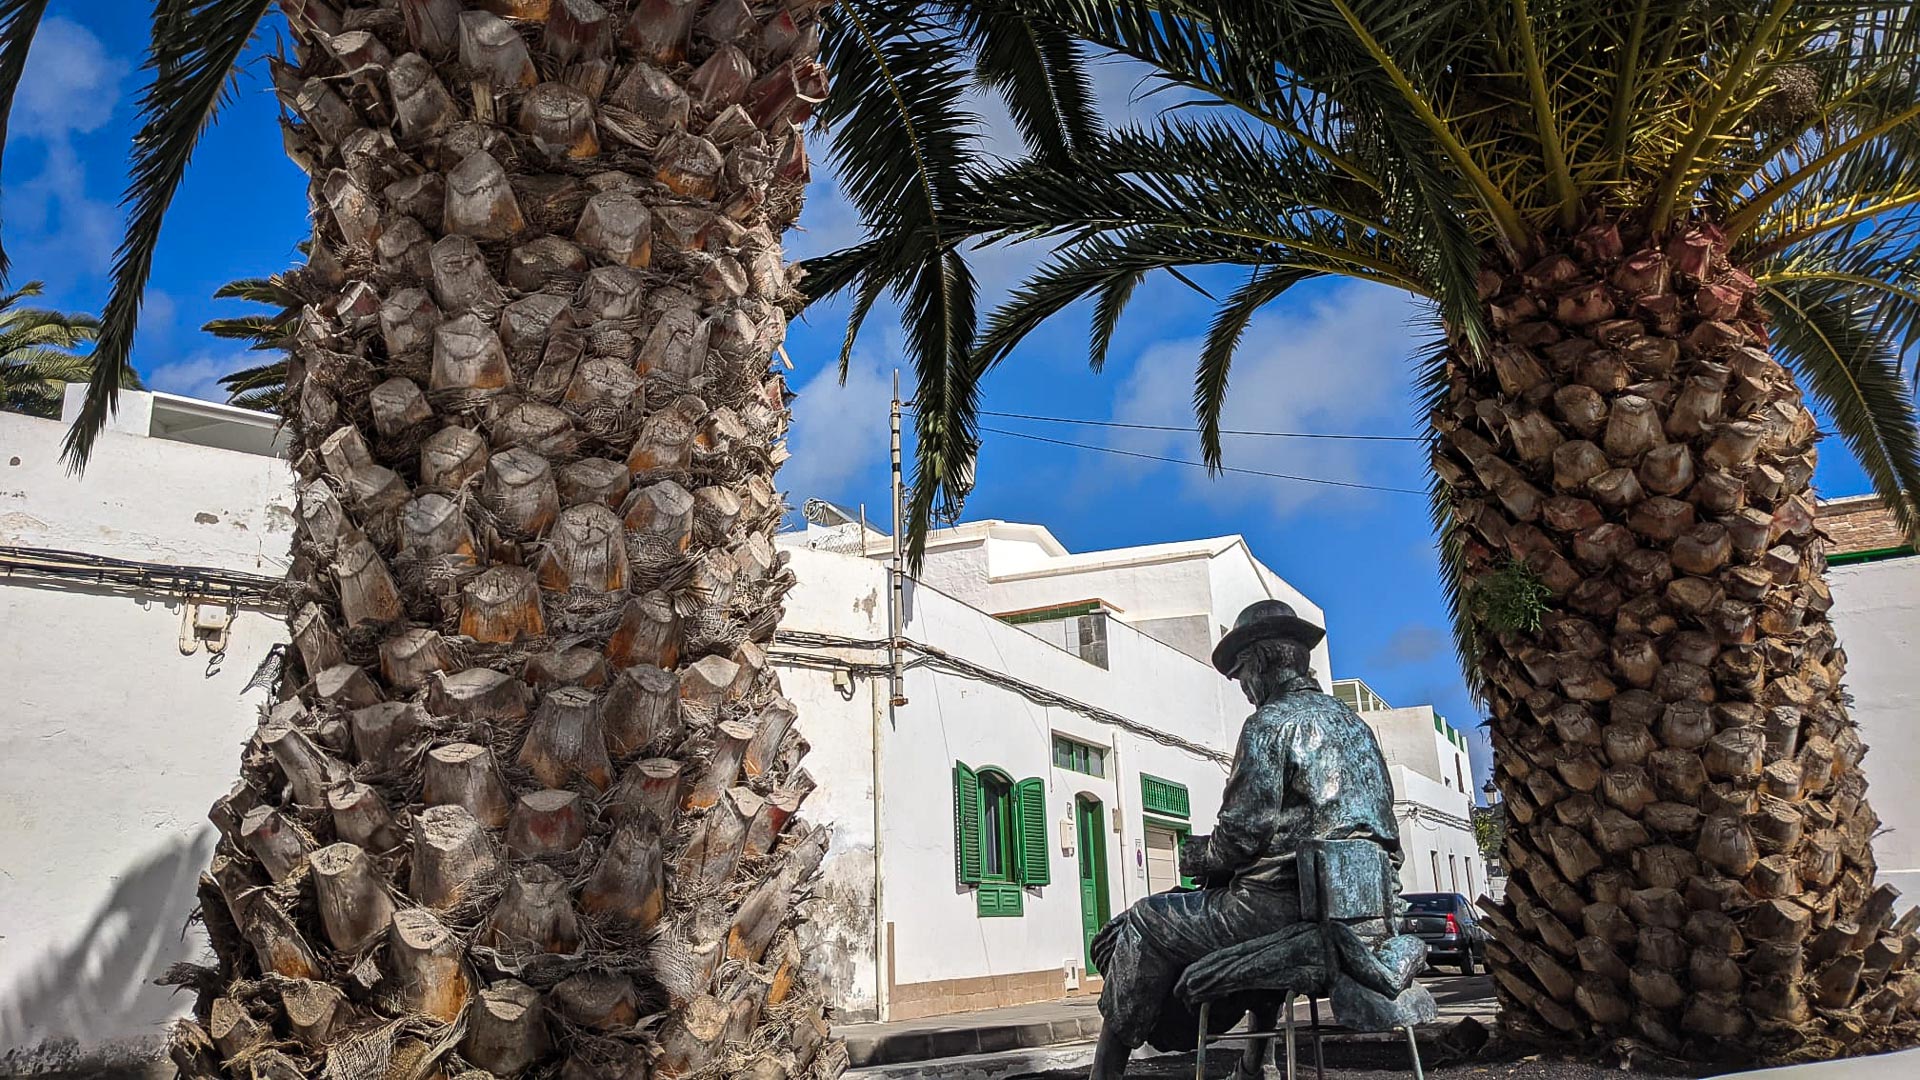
x,y
929,656
1423,814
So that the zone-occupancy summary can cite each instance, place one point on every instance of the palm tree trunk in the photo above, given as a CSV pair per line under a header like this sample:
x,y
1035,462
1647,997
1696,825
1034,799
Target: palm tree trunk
x,y
1689,839
523,805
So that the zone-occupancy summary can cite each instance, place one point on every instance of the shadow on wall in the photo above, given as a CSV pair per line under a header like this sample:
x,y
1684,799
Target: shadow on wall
x,y
93,1001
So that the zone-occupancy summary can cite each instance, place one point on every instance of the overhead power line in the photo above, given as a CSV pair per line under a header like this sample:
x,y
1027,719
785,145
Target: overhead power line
x,y
938,659
1187,430
1203,465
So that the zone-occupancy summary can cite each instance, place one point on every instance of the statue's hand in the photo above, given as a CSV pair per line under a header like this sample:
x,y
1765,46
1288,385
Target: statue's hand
x,y
1193,857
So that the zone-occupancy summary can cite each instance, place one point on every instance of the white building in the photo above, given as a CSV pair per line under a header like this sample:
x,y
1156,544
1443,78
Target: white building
x,y
121,721
1876,610
1432,792
1061,718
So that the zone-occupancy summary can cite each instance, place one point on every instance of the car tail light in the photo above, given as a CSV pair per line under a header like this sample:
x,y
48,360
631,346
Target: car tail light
x,y
1453,925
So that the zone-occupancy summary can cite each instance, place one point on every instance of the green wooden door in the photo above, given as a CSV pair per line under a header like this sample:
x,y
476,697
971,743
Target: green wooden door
x,y
1095,908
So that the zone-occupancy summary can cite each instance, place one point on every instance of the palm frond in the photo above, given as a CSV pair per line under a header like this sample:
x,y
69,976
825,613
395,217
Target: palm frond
x,y
36,358
1879,266
937,312
262,387
1038,70
1826,334
274,291
262,331
1109,303
19,20
195,47
1223,341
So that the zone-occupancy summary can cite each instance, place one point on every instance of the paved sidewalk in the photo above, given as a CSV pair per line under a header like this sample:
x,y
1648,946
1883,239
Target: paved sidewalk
x,y
989,1031
1076,1020
1899,1065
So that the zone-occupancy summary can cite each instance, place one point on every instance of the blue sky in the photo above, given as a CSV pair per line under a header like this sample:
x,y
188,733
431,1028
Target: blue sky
x,y
1332,357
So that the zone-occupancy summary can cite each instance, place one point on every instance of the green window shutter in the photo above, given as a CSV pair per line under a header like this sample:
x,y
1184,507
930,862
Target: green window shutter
x,y
966,824
1030,810
1164,796
999,901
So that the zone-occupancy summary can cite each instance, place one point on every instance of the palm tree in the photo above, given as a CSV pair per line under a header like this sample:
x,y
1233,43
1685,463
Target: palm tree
x,y
525,801
36,353
263,386
1650,231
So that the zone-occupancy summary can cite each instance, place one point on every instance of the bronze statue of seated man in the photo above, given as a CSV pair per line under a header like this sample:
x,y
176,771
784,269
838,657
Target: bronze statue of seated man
x,y
1306,768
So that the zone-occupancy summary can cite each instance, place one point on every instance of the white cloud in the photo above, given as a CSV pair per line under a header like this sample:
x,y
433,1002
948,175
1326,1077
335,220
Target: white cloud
x,y
198,376
1414,643
1127,92
71,87
840,432
58,221
1338,363
71,83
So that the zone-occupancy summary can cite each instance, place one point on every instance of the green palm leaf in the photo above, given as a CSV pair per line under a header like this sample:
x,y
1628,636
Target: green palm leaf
x,y
36,357
1825,330
196,44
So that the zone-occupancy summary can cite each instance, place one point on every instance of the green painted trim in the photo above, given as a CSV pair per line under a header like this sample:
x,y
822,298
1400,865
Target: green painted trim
x,y
1063,611
1874,555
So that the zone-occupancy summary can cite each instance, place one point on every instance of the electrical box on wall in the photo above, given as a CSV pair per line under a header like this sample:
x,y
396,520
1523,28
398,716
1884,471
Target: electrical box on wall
x,y
1066,837
205,623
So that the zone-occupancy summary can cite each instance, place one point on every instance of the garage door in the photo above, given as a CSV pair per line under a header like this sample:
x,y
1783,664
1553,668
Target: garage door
x,y
1163,859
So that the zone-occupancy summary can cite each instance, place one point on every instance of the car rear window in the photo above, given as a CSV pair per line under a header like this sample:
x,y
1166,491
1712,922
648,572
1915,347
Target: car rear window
x,y
1430,903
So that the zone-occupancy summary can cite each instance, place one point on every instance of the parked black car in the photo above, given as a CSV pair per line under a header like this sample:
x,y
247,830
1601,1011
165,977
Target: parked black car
x,y
1445,921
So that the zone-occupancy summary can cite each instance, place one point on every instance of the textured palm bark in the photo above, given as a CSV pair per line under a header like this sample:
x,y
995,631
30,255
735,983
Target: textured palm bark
x,y
498,821
1688,835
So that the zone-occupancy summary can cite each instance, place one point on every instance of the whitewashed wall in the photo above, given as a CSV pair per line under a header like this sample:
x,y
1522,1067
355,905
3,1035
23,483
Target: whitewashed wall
x,y
1408,737
1876,609
113,744
1422,837
846,596
937,934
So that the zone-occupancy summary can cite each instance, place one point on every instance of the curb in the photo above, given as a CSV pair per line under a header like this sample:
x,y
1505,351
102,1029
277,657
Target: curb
x,y
910,1046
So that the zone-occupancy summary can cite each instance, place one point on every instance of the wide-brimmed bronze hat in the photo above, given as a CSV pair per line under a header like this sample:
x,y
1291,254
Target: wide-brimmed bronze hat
x,y
1264,620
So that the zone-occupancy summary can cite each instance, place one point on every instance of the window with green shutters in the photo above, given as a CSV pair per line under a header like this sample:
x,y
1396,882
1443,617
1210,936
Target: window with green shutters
x,y
999,837
1164,797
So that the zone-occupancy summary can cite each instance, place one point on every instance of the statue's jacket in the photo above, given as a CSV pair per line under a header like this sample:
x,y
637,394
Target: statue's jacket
x,y
1306,768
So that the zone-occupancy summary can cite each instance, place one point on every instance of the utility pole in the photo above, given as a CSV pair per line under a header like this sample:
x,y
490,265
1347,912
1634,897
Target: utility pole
x,y
898,573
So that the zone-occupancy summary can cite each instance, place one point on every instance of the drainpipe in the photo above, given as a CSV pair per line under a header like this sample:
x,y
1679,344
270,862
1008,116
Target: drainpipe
x,y
880,959
1120,807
